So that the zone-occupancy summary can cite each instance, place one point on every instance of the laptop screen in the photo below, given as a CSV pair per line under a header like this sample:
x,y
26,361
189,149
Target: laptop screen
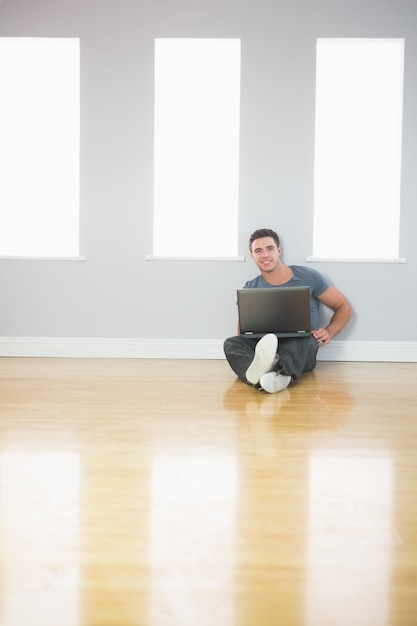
x,y
284,311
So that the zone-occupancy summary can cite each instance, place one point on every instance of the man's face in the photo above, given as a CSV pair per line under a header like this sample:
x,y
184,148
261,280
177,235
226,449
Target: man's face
x,y
265,253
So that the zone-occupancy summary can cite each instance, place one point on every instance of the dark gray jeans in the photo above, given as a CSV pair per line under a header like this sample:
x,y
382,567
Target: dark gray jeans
x,y
296,355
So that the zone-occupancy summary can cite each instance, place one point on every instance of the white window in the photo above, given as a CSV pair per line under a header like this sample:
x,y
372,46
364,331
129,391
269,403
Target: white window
x,y
358,149
39,147
196,167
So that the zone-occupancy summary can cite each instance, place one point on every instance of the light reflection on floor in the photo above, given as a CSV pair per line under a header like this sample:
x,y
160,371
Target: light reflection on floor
x,y
192,531
39,538
350,534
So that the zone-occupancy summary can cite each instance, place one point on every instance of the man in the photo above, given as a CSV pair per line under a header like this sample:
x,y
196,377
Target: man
x,y
260,362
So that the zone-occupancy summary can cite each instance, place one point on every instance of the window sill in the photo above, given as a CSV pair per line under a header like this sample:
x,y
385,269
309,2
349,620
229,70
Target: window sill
x,y
151,257
313,259
42,258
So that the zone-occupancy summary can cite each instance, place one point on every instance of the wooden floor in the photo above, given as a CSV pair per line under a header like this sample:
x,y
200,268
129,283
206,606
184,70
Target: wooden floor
x,y
167,493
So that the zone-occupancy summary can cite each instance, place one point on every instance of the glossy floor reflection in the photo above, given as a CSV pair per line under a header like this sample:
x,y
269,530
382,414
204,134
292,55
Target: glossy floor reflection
x,y
203,502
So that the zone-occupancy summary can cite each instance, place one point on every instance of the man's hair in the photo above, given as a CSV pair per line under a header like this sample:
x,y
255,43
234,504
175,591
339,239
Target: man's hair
x,y
263,232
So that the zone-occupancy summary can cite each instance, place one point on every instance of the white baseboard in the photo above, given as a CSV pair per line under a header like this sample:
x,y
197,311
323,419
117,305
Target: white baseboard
x,y
89,347
384,351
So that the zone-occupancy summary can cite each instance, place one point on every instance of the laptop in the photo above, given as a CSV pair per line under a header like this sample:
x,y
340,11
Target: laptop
x,y
284,311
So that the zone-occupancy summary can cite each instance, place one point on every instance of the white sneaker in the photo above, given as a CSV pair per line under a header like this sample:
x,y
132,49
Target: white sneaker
x,y
264,359
272,382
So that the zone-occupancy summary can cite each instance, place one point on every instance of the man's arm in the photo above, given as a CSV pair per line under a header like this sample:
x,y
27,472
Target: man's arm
x,y
342,313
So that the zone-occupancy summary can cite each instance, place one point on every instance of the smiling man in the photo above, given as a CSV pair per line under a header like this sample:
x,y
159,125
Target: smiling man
x,y
261,362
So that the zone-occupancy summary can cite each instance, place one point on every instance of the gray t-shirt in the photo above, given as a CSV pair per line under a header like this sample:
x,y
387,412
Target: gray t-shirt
x,y
300,276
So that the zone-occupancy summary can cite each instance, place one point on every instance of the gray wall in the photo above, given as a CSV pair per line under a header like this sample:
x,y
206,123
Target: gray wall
x,y
116,292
